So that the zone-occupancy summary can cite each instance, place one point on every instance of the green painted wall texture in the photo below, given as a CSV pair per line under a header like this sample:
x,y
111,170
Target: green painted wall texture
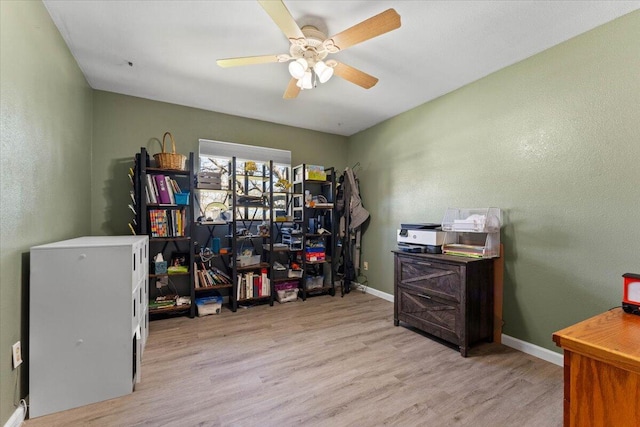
x,y
123,124
45,165
554,141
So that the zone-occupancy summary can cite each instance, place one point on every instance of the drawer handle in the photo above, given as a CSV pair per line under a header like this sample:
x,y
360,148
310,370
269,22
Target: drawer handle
x,y
424,296
424,263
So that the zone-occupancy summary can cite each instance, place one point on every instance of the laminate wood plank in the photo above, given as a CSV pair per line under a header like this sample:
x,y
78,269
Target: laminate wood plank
x,y
327,361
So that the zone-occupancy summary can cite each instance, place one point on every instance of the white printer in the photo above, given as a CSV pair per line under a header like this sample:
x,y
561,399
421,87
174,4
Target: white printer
x,y
420,238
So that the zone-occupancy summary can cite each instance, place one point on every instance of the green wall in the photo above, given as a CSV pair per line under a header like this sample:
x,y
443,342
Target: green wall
x,y
123,124
45,165
554,141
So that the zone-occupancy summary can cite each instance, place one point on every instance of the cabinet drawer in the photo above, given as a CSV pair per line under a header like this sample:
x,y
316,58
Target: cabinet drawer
x,y
429,313
438,279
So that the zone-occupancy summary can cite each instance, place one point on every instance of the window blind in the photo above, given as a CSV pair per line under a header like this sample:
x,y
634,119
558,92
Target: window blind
x,y
220,149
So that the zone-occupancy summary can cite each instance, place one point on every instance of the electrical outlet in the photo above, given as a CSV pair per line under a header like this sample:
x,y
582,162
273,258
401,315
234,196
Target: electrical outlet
x,y
365,265
16,350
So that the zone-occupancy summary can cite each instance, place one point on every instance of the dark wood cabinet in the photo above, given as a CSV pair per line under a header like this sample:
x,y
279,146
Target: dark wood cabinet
x,y
449,297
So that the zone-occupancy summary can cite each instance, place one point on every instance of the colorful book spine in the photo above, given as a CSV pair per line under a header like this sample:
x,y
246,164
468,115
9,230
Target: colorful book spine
x,y
151,190
169,186
163,193
264,279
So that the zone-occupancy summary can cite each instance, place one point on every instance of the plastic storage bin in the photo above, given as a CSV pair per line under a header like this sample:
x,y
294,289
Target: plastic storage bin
x,y
474,245
472,232
295,273
476,220
182,198
287,291
314,282
209,305
312,173
247,260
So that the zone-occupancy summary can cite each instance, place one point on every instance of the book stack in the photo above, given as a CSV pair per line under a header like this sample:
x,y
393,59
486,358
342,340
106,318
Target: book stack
x,y
163,301
253,285
161,190
167,223
208,278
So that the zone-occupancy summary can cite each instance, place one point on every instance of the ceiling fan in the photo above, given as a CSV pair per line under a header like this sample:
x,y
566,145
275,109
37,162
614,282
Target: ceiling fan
x,y
309,48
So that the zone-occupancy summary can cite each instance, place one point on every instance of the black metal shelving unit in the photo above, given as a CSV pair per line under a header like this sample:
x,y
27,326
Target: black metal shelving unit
x,y
314,207
174,241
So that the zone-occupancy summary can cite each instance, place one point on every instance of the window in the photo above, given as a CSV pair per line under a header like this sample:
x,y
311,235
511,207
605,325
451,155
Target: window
x,y
215,157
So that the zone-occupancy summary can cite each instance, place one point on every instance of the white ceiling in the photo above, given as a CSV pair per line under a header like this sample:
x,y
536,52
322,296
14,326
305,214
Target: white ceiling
x,y
441,46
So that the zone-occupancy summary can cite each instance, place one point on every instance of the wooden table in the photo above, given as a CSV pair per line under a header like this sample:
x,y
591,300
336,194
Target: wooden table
x,y
602,370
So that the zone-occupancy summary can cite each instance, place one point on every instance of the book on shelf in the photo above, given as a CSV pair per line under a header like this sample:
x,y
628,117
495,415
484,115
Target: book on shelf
x,y
163,301
167,222
223,277
176,187
170,191
265,282
252,285
240,291
155,188
163,194
159,305
196,276
152,193
248,281
204,282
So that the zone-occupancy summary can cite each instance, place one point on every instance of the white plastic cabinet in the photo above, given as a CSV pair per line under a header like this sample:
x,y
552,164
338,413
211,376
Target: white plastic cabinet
x,y
88,320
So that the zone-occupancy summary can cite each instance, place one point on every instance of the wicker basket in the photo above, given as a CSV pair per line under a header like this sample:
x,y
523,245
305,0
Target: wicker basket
x,y
170,160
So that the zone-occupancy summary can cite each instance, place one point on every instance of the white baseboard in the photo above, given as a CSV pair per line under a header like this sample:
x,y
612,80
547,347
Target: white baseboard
x,y
374,292
534,350
16,419
523,346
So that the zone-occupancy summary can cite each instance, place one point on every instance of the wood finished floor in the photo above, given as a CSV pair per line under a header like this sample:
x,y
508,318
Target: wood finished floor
x,y
328,361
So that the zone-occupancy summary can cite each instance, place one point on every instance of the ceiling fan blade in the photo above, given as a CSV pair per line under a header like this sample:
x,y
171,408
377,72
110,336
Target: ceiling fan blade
x,y
376,25
354,75
249,60
292,89
282,17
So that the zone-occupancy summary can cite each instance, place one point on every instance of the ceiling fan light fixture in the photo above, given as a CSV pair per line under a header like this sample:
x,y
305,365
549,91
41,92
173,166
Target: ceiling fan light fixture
x,y
323,71
305,82
298,68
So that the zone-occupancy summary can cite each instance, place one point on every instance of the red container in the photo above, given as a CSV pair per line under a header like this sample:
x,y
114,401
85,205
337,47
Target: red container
x,y
631,293
315,256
